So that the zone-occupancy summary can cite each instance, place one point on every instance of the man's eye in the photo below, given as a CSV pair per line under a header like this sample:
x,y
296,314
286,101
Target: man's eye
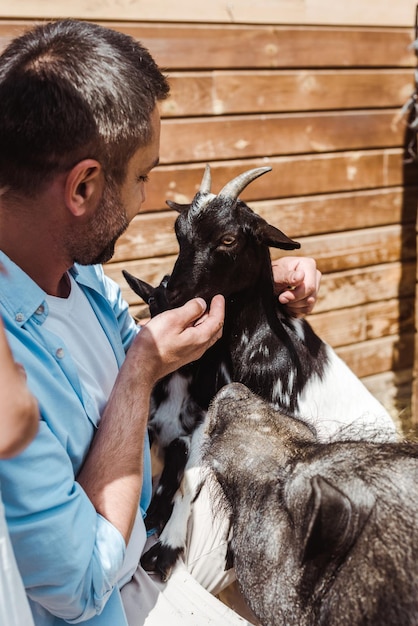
x,y
142,179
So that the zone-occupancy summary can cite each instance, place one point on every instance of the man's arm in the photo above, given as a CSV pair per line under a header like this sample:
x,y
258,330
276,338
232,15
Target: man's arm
x,y
112,473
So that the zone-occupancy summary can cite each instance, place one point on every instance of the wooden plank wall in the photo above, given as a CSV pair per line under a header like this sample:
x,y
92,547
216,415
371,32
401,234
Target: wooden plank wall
x,y
304,12
321,105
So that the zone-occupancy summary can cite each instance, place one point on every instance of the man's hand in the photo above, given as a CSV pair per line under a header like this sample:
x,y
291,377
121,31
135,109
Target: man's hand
x,y
297,281
178,336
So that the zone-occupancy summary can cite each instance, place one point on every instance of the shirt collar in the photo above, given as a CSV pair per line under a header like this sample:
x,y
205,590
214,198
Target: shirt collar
x,y
21,297
19,294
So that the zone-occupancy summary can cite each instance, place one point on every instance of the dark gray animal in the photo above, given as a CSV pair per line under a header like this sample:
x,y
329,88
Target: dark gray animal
x,y
323,533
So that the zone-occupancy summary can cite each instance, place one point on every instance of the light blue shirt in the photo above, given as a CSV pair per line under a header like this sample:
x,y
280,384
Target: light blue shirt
x,y
69,556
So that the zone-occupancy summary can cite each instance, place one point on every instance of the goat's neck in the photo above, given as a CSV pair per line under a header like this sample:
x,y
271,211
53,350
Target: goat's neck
x,y
252,307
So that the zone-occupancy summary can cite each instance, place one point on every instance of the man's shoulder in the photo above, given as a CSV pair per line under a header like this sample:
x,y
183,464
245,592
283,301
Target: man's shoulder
x,y
20,296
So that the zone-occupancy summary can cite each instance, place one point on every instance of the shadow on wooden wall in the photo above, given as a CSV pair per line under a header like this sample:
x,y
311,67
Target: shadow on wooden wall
x,y
409,208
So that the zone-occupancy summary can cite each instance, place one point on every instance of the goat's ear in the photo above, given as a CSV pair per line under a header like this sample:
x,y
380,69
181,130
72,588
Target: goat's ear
x,y
272,236
177,206
140,287
332,523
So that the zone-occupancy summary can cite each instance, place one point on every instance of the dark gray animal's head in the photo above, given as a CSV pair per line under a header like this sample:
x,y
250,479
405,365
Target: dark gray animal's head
x,y
222,241
323,533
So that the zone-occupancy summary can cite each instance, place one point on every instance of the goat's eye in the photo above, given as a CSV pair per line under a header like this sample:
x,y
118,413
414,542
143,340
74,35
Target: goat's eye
x,y
228,240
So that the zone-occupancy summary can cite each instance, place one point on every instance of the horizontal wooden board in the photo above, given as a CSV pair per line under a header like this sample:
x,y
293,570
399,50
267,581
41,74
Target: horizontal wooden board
x,y
290,176
266,91
152,234
414,402
336,212
350,249
379,355
393,390
363,285
183,46
357,12
186,46
362,323
242,136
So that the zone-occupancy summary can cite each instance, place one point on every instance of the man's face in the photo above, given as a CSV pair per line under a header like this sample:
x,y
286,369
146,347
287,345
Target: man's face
x,y
139,166
118,204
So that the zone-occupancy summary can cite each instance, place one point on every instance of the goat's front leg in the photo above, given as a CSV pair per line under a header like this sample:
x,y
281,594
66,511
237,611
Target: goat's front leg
x,y
163,555
161,507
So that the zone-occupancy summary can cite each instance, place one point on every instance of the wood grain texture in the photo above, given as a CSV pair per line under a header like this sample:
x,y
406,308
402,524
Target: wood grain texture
x,y
370,321
379,355
291,175
241,136
372,12
182,46
265,91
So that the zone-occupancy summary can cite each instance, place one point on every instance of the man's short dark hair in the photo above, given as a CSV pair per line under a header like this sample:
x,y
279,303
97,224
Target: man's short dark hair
x,y
71,90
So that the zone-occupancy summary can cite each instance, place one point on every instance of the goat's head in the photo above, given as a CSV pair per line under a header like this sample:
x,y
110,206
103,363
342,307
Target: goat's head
x,y
223,243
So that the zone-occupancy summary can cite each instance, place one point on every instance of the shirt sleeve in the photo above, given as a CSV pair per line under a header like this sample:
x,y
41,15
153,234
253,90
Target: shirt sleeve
x,y
127,330
69,556
50,521
113,295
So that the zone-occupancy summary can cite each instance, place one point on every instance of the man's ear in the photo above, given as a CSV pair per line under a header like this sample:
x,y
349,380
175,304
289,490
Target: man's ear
x,y
83,186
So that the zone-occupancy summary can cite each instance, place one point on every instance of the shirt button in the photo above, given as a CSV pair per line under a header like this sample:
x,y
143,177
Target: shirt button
x,y
40,310
60,353
19,317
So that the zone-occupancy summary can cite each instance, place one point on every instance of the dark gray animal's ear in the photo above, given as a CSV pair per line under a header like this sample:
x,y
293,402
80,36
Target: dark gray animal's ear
x,y
177,206
140,287
334,521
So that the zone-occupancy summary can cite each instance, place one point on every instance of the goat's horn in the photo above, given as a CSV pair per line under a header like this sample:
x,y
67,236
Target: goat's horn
x,y
239,183
206,183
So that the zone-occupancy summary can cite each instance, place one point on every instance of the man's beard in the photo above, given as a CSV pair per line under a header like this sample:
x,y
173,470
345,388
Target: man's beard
x,y
98,238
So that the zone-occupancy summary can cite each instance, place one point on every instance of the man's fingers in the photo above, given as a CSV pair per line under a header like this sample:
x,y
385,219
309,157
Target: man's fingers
x,y
187,315
214,318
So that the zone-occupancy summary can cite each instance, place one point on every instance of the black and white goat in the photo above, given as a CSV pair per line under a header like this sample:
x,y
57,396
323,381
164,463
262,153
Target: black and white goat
x,y
224,248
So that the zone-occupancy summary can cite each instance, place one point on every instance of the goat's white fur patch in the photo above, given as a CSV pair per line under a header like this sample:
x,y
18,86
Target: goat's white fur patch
x,y
341,399
175,531
298,327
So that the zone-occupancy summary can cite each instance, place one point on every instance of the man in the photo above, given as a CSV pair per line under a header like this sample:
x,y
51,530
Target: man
x,y
79,134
